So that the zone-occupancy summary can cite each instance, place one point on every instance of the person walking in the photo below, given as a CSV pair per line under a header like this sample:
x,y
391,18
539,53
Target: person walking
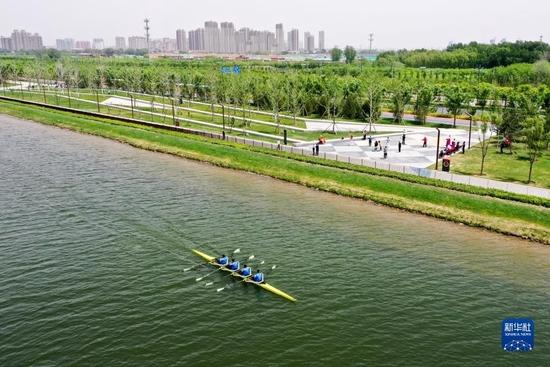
x,y
399,147
424,142
317,149
370,140
403,137
386,152
376,145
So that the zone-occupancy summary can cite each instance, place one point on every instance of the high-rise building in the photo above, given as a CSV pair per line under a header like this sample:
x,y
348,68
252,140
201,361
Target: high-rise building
x,y
309,43
24,41
120,43
294,40
83,45
322,41
98,44
227,38
137,43
211,37
6,44
280,38
66,44
181,40
196,40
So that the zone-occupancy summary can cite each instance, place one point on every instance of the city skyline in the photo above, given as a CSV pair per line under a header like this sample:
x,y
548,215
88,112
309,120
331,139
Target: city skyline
x,y
222,38
395,23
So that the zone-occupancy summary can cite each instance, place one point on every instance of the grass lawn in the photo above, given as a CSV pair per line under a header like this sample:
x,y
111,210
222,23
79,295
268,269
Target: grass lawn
x,y
511,167
509,217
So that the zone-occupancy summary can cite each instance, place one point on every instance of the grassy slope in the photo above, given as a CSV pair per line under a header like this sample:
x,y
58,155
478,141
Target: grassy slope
x,y
512,167
503,216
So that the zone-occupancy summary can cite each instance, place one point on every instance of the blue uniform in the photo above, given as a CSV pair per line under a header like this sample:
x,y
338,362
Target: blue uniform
x,y
246,272
258,277
235,265
223,260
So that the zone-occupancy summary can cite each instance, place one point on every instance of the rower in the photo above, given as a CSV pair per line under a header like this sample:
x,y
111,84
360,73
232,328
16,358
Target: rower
x,y
234,265
223,260
246,271
258,277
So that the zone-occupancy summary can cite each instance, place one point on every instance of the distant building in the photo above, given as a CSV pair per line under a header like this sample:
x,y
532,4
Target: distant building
x,y
309,43
66,44
137,43
227,38
83,45
280,38
21,40
6,44
120,43
211,37
98,44
196,40
293,40
322,41
181,40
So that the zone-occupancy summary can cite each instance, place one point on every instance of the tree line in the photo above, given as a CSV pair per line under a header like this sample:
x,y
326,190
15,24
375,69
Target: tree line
x,y
471,55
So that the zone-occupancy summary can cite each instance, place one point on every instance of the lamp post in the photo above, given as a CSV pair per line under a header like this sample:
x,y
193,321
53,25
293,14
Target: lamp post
x,y
437,150
470,130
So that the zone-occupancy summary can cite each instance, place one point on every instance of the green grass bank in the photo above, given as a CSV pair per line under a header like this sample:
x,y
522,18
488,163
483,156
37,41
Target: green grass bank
x,y
477,208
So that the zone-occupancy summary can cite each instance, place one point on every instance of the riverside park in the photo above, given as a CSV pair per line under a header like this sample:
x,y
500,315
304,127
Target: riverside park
x,y
363,211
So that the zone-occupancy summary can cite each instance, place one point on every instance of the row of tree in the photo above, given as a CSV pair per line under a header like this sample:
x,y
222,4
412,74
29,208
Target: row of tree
x,y
472,55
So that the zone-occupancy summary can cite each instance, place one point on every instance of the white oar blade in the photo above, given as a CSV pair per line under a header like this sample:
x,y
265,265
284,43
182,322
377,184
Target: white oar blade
x,y
198,279
250,257
208,284
237,251
273,267
220,289
263,262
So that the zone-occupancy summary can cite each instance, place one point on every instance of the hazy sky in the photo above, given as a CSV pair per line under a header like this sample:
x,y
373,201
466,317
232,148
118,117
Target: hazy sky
x,y
395,23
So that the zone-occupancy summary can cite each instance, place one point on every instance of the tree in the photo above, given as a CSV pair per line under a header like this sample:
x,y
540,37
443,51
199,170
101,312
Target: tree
x,y
332,99
401,94
425,95
484,135
350,54
535,140
372,105
482,92
336,54
455,99
276,96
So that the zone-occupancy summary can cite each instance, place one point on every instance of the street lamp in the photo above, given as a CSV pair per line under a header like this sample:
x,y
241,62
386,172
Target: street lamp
x,y
437,150
470,131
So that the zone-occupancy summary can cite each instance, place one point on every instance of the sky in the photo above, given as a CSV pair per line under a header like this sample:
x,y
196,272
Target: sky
x,y
396,24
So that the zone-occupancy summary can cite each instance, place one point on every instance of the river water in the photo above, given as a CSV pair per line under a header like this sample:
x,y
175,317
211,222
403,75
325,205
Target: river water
x,y
94,237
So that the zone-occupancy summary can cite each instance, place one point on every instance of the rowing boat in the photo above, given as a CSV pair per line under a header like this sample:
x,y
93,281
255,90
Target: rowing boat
x,y
267,287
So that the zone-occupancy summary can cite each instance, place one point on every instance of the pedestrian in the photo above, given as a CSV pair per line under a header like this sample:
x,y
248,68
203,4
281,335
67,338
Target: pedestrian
x,y
404,136
364,136
463,147
317,149
376,145
313,147
370,140
388,140
424,142
399,147
278,145
386,152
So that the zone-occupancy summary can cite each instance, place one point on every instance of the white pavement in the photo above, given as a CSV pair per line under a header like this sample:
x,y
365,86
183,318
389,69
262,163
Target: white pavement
x,y
412,153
